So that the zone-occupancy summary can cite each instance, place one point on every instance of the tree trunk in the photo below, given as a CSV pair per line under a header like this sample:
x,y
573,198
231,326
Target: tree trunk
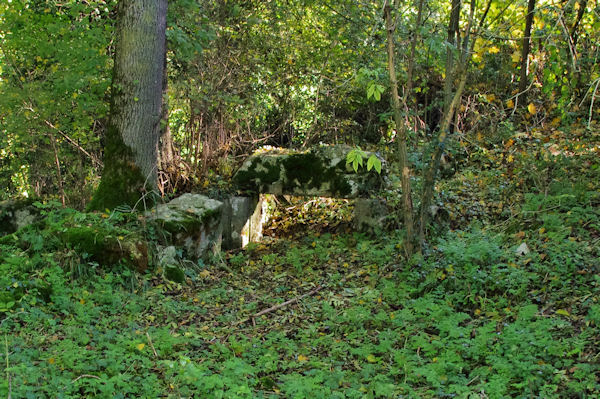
x,y
523,81
452,48
131,147
400,134
453,73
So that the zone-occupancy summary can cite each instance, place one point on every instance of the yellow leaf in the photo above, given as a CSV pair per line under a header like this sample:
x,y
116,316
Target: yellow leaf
x,y
51,360
531,108
510,158
302,358
490,97
563,312
541,230
205,273
516,57
371,359
510,104
140,346
82,301
493,50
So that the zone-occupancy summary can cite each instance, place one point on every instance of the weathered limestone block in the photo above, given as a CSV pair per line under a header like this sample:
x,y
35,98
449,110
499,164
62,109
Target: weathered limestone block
x,y
321,171
191,222
242,221
15,214
369,214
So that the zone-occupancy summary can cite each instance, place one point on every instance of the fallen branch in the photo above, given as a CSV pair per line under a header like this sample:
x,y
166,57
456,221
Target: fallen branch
x,y
283,304
278,306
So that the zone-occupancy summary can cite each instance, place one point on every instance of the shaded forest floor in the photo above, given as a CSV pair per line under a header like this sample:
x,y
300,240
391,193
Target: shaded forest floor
x,y
478,315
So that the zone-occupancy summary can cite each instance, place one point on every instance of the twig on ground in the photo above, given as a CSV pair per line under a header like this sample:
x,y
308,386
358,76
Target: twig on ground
x,y
289,302
279,306
151,345
85,376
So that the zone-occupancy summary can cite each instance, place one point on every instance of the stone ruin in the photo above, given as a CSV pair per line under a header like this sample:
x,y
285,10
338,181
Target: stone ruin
x,y
198,226
201,225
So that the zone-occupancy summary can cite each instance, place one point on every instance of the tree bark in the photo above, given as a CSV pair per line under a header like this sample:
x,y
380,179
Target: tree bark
x,y
523,81
452,73
400,134
452,48
131,146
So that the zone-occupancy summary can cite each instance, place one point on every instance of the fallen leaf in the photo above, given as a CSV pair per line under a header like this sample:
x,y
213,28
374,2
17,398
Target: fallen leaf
x,y
205,273
522,250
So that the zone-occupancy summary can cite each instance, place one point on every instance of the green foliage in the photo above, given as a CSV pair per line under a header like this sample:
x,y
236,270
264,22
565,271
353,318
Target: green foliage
x,y
355,159
469,316
54,79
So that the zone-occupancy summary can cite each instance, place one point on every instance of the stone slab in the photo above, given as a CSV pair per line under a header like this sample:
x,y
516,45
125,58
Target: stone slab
x,y
321,171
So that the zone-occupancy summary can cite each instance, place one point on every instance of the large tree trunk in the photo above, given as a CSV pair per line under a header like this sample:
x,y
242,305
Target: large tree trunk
x,y
131,147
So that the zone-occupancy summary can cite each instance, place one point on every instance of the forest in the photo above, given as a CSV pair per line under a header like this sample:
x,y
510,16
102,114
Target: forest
x,y
300,199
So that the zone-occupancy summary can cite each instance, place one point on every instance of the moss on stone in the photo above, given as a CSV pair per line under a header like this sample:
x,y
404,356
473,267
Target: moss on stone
x,y
320,171
259,175
107,249
11,210
174,273
311,171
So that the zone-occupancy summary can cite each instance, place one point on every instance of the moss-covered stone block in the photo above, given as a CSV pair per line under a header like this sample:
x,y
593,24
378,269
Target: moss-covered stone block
x,y
106,248
191,222
320,171
15,214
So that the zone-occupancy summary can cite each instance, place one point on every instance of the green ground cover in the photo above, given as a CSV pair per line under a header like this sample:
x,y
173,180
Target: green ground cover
x,y
472,317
